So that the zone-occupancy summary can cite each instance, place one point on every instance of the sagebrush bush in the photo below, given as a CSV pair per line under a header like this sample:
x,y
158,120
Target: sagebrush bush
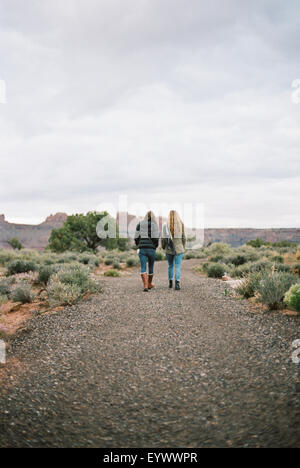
x,y
113,273
78,275
20,266
283,268
292,297
237,260
249,286
296,269
217,258
261,265
62,294
89,259
132,261
205,266
240,271
22,293
216,270
159,256
5,288
272,288
7,256
116,266
189,255
69,284
277,259
108,261
45,273
250,253
219,248
3,299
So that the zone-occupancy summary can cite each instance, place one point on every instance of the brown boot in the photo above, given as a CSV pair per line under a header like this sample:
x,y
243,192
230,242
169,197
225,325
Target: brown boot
x,y
150,285
145,281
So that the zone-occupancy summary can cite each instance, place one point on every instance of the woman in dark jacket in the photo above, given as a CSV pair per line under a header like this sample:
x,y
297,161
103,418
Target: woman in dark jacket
x,y
147,239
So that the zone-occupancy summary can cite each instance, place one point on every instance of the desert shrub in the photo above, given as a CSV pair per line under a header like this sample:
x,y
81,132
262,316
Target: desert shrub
x,y
22,293
61,260
189,255
289,258
159,256
217,258
85,258
132,261
45,273
219,248
15,243
5,288
250,253
69,284
261,265
77,275
108,261
6,256
277,259
292,297
20,266
205,266
69,257
283,268
3,299
194,253
237,260
240,271
256,243
48,260
296,269
216,270
116,266
113,273
272,288
249,286
94,262
62,294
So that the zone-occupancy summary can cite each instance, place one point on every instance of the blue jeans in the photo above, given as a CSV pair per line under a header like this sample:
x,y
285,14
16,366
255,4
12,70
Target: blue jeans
x,y
177,260
147,255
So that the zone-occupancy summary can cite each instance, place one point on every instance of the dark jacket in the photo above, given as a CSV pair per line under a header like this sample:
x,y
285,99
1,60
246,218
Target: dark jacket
x,y
147,235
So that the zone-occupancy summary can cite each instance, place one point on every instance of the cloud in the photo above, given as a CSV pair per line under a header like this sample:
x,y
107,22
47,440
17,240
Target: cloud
x,y
155,99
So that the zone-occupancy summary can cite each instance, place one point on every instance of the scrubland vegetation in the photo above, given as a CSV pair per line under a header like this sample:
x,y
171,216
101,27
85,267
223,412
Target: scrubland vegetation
x,y
52,279
270,273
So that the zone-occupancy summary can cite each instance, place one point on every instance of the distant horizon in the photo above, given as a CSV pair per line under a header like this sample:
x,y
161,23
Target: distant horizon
x,y
37,221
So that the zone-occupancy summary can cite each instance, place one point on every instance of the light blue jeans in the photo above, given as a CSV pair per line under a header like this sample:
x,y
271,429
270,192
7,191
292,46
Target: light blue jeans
x,y
174,260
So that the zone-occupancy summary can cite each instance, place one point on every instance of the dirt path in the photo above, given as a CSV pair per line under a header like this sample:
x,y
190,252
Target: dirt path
x,y
161,369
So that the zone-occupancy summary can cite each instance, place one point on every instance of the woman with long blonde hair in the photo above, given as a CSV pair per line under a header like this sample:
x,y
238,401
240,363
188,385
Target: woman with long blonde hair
x,y
174,241
147,239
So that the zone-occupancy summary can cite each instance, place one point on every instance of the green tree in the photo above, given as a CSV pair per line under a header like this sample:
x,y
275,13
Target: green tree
x,y
257,243
15,243
80,233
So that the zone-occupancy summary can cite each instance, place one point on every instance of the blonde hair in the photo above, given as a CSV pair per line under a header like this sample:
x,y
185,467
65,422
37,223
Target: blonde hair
x,y
175,225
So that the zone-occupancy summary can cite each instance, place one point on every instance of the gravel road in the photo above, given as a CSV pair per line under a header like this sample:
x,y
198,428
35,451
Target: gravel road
x,y
192,368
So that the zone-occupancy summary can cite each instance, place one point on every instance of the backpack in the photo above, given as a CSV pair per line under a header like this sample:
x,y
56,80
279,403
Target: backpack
x,y
169,240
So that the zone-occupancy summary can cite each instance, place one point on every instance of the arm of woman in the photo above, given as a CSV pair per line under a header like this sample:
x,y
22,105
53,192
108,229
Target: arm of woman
x,y
183,239
137,235
155,238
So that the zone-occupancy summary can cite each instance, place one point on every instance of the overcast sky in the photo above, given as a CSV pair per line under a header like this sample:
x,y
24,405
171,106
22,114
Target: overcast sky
x,y
160,100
